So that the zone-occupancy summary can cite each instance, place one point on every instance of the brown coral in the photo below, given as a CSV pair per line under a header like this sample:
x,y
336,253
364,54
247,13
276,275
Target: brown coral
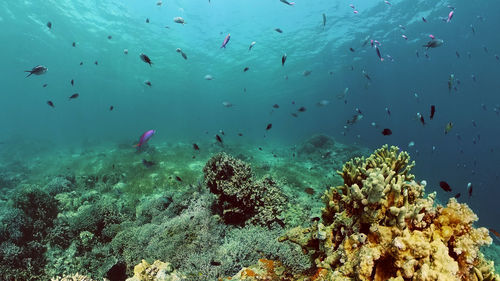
x,y
379,226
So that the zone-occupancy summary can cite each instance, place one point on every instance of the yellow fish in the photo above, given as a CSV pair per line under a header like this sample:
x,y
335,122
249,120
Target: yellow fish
x,y
448,127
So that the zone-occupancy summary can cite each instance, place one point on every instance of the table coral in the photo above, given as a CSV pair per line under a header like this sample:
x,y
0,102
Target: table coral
x,y
379,226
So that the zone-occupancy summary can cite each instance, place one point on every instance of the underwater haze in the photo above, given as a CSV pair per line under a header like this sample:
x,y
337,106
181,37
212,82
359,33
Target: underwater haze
x,y
358,72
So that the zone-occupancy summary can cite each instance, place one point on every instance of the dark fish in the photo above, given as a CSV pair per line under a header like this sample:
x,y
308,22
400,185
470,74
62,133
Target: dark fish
x,y
352,50
494,232
457,195
110,37
301,109
283,60
50,103
445,186
74,44
215,263
386,132
434,43
433,111
458,54
424,20
278,30
37,70
147,20
309,190
96,63
44,85
74,96
81,63
422,119
147,82
240,134
178,178
295,114
246,69
260,148
147,163
49,25
276,106
195,146
72,82
378,53
469,189
111,108
269,126
145,59
218,138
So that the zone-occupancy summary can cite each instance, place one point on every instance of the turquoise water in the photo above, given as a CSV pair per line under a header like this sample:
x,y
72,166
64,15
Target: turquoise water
x,y
81,137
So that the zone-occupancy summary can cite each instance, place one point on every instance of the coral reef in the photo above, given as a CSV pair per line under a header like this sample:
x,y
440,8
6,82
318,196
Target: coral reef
x,y
240,197
158,271
379,226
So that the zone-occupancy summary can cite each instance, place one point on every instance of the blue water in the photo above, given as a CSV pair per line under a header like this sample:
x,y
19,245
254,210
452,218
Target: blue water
x,y
182,105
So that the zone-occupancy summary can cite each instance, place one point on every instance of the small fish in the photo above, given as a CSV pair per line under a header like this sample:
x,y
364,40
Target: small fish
x,y
145,138
288,3
147,20
445,186
218,138
111,108
147,163
457,195
178,50
367,76
309,190
469,189
424,20
323,103
215,263
240,134
301,109
51,104
226,40
450,16
147,82
422,119
195,146
74,96
434,43
352,50
388,111
227,104
81,63
159,3
37,70
96,63
73,44
283,60
324,20
386,132
125,51
178,178
294,114
494,232
251,45
246,69
473,30
451,79
276,106
278,30
45,85
378,53
269,126
306,72
457,54
208,77
72,82
433,111
145,59
404,37
179,20
448,127
49,25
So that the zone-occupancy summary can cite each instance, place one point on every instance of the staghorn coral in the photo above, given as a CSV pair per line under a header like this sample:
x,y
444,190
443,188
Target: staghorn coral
x,y
379,226
240,197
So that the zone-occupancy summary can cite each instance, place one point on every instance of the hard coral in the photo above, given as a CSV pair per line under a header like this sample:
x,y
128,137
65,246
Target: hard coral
x,y
379,226
241,198
158,271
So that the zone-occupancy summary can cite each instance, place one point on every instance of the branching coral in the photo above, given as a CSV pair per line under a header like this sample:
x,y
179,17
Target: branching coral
x,y
379,226
241,198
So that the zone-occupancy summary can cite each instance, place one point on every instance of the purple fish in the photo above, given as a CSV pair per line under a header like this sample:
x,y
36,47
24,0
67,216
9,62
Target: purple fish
x,y
145,137
226,40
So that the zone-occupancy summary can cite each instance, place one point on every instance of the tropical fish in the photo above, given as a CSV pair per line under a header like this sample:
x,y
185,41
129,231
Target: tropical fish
x,y
146,59
125,51
147,20
448,127
288,3
51,104
226,40
434,43
147,82
111,108
433,111
450,16
269,126
301,109
179,20
450,82
324,20
227,104
49,25
218,138
445,186
306,72
145,138
386,132
37,70
73,44
424,20
74,96
208,77
494,232
278,30
276,106
246,69
469,189
195,146
178,50
251,45
378,53
178,178
283,60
